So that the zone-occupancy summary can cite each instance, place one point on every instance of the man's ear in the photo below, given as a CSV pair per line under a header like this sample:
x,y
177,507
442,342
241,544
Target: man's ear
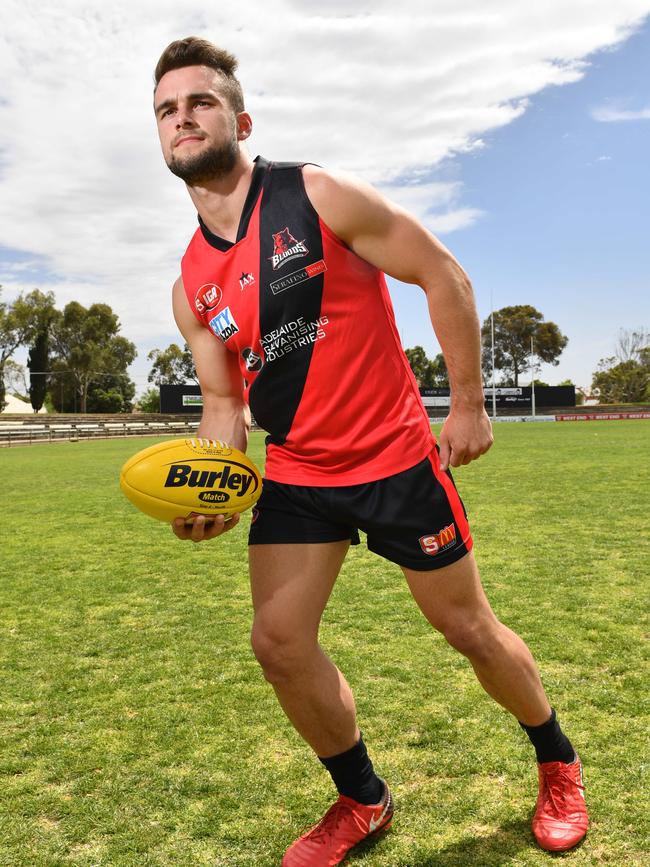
x,y
244,125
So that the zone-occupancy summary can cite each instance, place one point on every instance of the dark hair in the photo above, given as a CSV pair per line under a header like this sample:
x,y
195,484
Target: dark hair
x,y
193,51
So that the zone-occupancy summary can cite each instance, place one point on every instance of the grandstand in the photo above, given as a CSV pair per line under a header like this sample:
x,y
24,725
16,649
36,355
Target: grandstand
x,y
26,430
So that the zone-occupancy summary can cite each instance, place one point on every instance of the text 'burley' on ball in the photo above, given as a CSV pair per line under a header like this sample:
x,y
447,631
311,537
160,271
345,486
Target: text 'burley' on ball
x,y
189,477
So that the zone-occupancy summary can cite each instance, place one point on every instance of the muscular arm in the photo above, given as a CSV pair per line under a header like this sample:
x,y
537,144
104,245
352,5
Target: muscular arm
x,y
390,238
225,416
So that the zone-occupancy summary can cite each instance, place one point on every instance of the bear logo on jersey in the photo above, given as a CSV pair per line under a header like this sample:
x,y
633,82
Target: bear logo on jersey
x,y
285,248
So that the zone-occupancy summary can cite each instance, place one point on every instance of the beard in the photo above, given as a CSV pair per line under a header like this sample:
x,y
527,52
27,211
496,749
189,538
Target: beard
x,y
211,164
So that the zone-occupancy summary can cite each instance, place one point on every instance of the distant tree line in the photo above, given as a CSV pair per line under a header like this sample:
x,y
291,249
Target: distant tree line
x,y
625,376
77,360
171,366
522,339
429,373
514,327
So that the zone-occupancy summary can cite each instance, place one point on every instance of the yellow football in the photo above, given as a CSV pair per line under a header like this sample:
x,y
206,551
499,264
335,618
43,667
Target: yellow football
x,y
189,477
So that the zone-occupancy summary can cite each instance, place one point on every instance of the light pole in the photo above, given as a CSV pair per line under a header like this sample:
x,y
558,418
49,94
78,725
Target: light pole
x,y
494,390
532,374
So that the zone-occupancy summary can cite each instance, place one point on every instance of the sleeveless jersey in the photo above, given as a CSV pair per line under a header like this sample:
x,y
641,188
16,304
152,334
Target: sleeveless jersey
x,y
313,327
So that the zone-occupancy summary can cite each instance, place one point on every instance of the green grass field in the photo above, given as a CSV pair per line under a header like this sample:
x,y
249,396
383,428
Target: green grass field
x,y
137,729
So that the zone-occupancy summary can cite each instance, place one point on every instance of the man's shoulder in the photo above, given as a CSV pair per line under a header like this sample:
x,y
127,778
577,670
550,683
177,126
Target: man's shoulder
x,y
279,165
305,166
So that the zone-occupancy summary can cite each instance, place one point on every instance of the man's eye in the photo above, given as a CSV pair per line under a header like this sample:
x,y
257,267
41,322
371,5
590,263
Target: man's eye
x,y
166,112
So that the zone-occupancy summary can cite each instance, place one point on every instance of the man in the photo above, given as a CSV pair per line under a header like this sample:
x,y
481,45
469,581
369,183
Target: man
x,y
283,302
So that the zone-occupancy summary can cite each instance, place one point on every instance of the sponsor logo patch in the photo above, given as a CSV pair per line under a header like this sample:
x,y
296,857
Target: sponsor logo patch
x,y
245,280
224,325
292,336
285,248
252,360
437,542
208,297
296,277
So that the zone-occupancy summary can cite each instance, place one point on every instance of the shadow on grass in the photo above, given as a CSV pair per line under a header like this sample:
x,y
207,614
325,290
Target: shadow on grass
x,y
491,851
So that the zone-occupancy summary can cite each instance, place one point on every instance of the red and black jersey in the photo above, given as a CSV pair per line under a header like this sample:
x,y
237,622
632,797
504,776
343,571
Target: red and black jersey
x,y
314,330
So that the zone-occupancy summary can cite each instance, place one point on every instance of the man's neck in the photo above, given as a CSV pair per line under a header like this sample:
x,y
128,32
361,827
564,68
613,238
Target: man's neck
x,y
220,203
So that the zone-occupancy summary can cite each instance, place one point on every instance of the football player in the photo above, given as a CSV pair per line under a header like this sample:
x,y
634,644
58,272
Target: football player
x,y
283,301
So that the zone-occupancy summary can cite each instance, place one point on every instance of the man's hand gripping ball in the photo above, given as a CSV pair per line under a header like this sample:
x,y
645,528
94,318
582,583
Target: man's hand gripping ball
x,y
200,486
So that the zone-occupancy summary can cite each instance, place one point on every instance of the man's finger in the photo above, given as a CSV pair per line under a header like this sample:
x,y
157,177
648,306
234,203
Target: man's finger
x,y
219,526
231,522
179,528
198,528
445,453
203,527
458,458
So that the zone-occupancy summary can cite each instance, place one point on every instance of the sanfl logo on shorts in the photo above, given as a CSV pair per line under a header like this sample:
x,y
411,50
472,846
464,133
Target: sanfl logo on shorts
x,y
437,542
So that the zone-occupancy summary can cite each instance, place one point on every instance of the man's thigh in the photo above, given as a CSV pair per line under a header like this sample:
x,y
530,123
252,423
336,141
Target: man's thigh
x,y
450,594
291,583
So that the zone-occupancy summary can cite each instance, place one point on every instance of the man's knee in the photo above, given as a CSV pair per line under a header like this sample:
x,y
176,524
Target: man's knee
x,y
477,639
281,654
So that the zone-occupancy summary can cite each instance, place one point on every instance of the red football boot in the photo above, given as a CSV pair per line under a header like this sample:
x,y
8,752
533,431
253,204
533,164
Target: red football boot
x,y
345,824
560,820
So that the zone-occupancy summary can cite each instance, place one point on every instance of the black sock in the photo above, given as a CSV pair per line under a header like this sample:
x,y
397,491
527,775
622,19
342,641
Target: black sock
x,y
354,775
550,742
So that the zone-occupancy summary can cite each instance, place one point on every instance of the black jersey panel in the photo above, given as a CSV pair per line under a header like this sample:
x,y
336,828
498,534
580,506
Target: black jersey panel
x,y
259,174
290,297
257,179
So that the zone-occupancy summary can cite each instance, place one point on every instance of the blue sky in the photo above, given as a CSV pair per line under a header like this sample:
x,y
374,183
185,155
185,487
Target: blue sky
x,y
480,118
566,213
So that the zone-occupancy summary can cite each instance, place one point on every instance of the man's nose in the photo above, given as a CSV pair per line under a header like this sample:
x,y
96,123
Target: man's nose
x,y
184,118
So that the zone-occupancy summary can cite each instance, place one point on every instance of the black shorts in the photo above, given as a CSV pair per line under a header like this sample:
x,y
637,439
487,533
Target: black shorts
x,y
414,518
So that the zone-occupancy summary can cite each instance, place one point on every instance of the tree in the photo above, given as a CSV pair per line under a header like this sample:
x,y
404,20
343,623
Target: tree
x,y
439,371
420,365
625,382
10,340
105,400
172,366
38,360
111,393
428,373
38,357
14,377
149,401
87,347
19,323
513,329
630,343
